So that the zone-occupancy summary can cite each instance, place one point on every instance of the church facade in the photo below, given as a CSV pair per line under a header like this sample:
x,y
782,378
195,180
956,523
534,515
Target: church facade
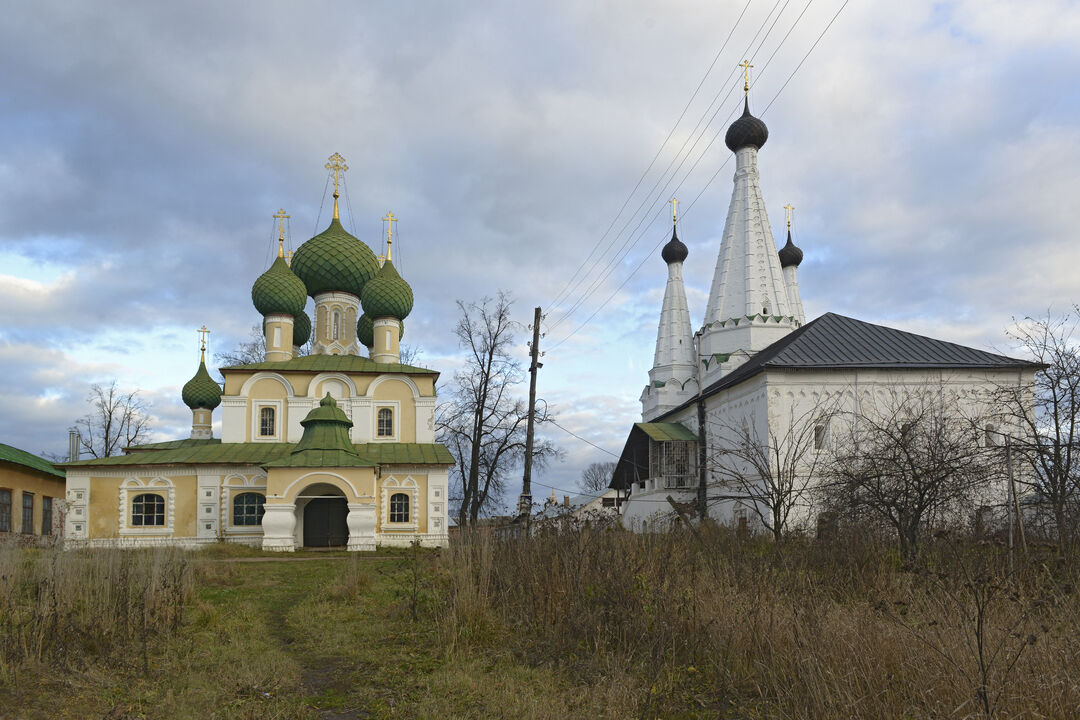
x,y
334,448
756,372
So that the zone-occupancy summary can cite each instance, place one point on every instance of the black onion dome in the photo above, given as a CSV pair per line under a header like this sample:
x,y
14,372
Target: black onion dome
x,y
675,250
790,254
747,131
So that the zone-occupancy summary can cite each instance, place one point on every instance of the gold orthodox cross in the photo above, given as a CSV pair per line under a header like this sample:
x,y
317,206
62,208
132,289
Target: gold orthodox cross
x,y
337,166
790,210
745,65
203,332
288,257
280,216
674,210
389,220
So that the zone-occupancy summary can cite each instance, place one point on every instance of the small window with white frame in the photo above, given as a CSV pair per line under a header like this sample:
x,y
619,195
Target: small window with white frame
x,y
148,510
821,436
248,509
267,422
384,423
399,508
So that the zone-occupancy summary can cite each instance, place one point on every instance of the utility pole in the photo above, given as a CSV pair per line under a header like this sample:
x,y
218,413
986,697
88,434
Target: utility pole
x,y
702,451
525,501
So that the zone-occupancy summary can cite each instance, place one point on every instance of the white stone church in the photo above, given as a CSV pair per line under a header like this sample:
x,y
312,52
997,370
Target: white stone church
x,y
756,368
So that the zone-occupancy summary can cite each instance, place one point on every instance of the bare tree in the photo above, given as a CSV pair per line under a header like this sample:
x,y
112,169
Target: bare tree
x,y
1048,418
596,477
774,474
483,423
116,420
252,350
911,461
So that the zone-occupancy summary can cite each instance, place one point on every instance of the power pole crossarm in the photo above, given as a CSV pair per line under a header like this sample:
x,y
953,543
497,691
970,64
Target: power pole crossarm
x,y
525,501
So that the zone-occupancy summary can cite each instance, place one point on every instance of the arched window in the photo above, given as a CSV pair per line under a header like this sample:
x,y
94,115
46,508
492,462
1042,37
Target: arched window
x,y
384,427
248,509
266,422
148,510
335,325
399,508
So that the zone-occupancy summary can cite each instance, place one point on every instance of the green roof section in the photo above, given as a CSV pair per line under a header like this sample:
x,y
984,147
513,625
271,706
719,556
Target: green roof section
x,y
333,363
301,329
667,432
201,391
387,295
334,261
325,442
278,291
16,456
214,452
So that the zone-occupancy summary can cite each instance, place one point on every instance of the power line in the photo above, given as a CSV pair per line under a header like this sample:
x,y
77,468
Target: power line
x,y
566,289
638,232
711,179
587,442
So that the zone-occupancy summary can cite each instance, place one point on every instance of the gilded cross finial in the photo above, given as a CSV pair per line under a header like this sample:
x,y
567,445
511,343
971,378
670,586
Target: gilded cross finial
x,y
336,165
203,332
288,257
389,220
745,65
790,210
280,216
674,202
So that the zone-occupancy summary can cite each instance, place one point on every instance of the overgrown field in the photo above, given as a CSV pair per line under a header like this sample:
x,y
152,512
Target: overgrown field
x,y
585,624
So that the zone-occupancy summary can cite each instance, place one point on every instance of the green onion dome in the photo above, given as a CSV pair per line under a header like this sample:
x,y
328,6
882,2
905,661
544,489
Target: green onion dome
x,y
278,291
201,391
387,295
365,331
334,261
301,329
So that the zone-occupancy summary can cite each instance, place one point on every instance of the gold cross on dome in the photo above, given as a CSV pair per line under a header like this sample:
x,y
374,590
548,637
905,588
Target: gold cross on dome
x,y
280,216
790,211
745,65
203,332
674,202
336,165
389,220
288,257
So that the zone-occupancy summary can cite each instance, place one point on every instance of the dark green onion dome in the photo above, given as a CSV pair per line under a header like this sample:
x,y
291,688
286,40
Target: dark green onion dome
x,y
326,428
201,391
278,291
334,261
746,131
301,328
790,254
675,250
387,295
365,331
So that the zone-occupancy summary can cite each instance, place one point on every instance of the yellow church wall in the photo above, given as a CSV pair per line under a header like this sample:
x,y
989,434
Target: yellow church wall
x,y
284,484
397,395
186,505
104,496
382,524
18,480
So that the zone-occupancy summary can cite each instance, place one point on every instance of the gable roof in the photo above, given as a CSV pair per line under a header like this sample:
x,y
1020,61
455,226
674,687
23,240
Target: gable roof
x,y
215,452
838,342
20,457
332,363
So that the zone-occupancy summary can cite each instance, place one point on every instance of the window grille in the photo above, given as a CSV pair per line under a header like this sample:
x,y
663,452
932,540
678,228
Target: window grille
x,y
148,510
385,423
46,516
5,511
28,513
673,461
399,508
248,509
267,422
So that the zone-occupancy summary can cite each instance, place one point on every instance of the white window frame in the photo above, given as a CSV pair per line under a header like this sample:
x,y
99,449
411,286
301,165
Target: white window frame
x,y
256,426
234,485
391,486
133,486
393,405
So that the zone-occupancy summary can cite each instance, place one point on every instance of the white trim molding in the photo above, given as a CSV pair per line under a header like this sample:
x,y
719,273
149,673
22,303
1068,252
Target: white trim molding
x,y
391,486
138,486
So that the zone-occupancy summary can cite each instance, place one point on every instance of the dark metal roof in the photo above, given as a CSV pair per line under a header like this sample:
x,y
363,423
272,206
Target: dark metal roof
x,y
837,342
675,250
746,131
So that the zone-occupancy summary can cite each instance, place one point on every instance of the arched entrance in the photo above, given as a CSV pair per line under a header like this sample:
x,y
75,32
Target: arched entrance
x,y
324,512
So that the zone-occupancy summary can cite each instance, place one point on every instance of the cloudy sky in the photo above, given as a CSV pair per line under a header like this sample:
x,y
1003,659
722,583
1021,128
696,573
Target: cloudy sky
x,y
930,149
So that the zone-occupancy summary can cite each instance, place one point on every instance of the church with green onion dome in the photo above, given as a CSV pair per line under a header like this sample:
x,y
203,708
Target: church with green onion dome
x,y
328,440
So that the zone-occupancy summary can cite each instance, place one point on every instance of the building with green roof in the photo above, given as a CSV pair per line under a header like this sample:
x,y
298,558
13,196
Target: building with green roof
x,y
31,494
335,448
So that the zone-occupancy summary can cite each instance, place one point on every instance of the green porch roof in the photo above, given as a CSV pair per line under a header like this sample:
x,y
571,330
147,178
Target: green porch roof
x,y
666,432
20,457
215,452
333,363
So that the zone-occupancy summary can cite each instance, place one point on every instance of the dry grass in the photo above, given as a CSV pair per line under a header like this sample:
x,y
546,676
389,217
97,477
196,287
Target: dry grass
x,y
714,626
